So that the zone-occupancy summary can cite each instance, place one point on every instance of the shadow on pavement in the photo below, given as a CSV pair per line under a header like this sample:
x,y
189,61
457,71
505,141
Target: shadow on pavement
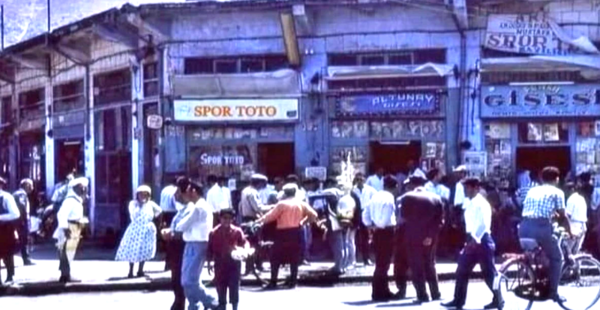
x,y
361,303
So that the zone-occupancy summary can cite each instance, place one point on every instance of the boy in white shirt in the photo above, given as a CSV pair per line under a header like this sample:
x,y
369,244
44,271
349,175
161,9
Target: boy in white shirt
x,y
577,212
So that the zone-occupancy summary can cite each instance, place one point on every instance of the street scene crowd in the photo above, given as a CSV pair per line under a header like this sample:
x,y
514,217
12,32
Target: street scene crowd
x,y
405,220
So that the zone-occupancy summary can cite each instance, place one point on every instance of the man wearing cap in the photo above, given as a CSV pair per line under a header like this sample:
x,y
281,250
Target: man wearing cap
x,y
380,216
70,223
9,215
479,248
422,213
22,199
290,213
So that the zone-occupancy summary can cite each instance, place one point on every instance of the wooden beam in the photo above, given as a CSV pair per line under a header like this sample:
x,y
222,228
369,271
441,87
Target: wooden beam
x,y
7,72
76,54
290,39
29,62
147,28
113,34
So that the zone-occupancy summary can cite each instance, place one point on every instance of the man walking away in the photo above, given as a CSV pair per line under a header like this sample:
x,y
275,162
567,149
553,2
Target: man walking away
x,y
251,209
376,180
479,248
71,220
379,215
168,198
577,212
22,200
365,194
540,205
9,215
422,212
175,245
215,197
195,225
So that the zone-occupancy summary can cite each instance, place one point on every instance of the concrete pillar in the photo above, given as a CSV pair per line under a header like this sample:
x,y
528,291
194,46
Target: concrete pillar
x,y
89,147
137,93
49,141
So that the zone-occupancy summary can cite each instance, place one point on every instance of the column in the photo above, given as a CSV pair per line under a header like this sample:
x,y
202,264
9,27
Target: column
x,y
137,94
49,139
89,146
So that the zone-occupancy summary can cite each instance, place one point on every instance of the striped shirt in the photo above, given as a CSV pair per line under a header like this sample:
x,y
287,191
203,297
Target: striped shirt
x,y
290,213
542,201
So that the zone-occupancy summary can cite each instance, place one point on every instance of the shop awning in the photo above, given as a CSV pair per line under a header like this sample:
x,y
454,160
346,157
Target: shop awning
x,y
542,63
279,83
338,73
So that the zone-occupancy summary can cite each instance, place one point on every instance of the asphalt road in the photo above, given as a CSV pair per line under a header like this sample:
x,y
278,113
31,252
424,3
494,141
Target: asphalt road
x,y
310,298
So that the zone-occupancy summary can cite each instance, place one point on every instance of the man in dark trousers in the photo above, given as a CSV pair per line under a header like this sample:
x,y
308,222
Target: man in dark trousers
x,y
479,248
422,213
22,200
175,244
379,215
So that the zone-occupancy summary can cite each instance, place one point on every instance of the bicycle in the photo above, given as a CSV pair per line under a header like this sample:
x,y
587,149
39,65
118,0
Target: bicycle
x,y
523,278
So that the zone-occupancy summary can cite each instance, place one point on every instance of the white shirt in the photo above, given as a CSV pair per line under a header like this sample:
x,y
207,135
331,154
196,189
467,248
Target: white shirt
x,y
380,211
318,204
478,217
459,195
438,189
197,222
418,173
265,193
365,195
70,210
9,204
216,199
227,194
375,182
577,211
167,198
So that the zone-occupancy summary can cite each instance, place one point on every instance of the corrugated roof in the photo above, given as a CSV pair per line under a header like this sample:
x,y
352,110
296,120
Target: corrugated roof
x,y
25,19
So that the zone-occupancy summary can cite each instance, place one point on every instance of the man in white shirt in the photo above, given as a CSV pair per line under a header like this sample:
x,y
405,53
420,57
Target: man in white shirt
x,y
9,214
459,191
71,220
196,225
380,216
215,197
365,193
376,180
22,199
480,246
224,184
414,170
434,186
168,203
577,213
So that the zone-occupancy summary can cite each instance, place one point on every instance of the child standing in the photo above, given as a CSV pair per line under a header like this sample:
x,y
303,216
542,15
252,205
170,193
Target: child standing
x,y
222,242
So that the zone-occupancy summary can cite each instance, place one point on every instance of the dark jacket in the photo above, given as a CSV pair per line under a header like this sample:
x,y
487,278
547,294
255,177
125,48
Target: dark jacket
x,y
423,213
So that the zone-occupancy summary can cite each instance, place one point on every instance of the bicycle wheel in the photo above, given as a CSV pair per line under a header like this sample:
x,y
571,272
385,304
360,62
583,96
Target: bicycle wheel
x,y
514,285
580,283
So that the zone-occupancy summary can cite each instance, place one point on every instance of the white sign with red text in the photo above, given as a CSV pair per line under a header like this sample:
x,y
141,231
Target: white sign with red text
x,y
218,110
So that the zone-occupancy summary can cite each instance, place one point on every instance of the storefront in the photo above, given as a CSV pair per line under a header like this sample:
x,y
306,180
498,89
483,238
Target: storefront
x,y
530,127
388,130
234,138
32,137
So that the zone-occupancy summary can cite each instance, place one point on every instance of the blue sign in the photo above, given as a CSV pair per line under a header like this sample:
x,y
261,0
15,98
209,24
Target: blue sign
x,y
409,103
540,101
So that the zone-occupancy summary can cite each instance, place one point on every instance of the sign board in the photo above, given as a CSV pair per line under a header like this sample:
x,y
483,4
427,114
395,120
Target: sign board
x,y
409,103
154,121
533,34
316,172
540,101
476,163
236,110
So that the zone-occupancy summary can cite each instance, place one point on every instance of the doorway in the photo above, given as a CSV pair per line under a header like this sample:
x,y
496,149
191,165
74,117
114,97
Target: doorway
x,y
393,157
535,159
276,159
69,156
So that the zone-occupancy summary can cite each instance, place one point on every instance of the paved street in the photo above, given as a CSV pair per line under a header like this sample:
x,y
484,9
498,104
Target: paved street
x,y
343,297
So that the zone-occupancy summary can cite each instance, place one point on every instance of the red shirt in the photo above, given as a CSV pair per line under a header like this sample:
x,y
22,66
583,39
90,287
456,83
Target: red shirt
x,y
222,241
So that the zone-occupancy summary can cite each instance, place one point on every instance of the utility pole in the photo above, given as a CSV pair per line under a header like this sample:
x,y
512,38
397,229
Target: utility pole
x,y
2,26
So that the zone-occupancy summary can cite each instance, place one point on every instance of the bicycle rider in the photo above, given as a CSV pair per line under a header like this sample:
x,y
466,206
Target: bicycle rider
x,y
541,205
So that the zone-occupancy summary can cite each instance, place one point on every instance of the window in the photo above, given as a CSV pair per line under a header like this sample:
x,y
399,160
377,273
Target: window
x,y
113,129
31,104
416,57
6,110
112,87
151,79
68,97
387,83
242,64
499,78
543,132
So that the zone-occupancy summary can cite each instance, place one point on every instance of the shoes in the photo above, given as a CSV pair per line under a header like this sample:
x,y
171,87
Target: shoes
x,y
141,274
493,305
305,263
130,275
383,298
436,296
28,262
453,305
214,305
368,262
270,287
559,299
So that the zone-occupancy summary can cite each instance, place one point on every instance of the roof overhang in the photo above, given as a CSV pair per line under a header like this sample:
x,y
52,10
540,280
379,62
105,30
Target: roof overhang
x,y
341,73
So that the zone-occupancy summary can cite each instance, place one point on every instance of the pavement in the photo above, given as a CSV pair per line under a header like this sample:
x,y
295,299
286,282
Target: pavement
x,y
95,268
353,297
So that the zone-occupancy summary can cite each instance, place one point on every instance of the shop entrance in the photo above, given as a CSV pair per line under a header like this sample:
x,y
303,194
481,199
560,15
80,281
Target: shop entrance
x,y
393,157
535,159
276,159
69,156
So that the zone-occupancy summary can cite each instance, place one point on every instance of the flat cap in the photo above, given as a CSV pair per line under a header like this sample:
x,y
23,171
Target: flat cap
x,y
83,181
258,176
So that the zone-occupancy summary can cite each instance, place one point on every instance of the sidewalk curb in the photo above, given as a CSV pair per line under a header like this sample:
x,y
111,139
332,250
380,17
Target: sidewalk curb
x,y
51,288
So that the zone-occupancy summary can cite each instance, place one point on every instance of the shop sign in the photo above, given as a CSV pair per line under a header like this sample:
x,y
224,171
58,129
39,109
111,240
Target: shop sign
x,y
540,101
220,159
154,121
236,110
409,103
533,34
319,173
